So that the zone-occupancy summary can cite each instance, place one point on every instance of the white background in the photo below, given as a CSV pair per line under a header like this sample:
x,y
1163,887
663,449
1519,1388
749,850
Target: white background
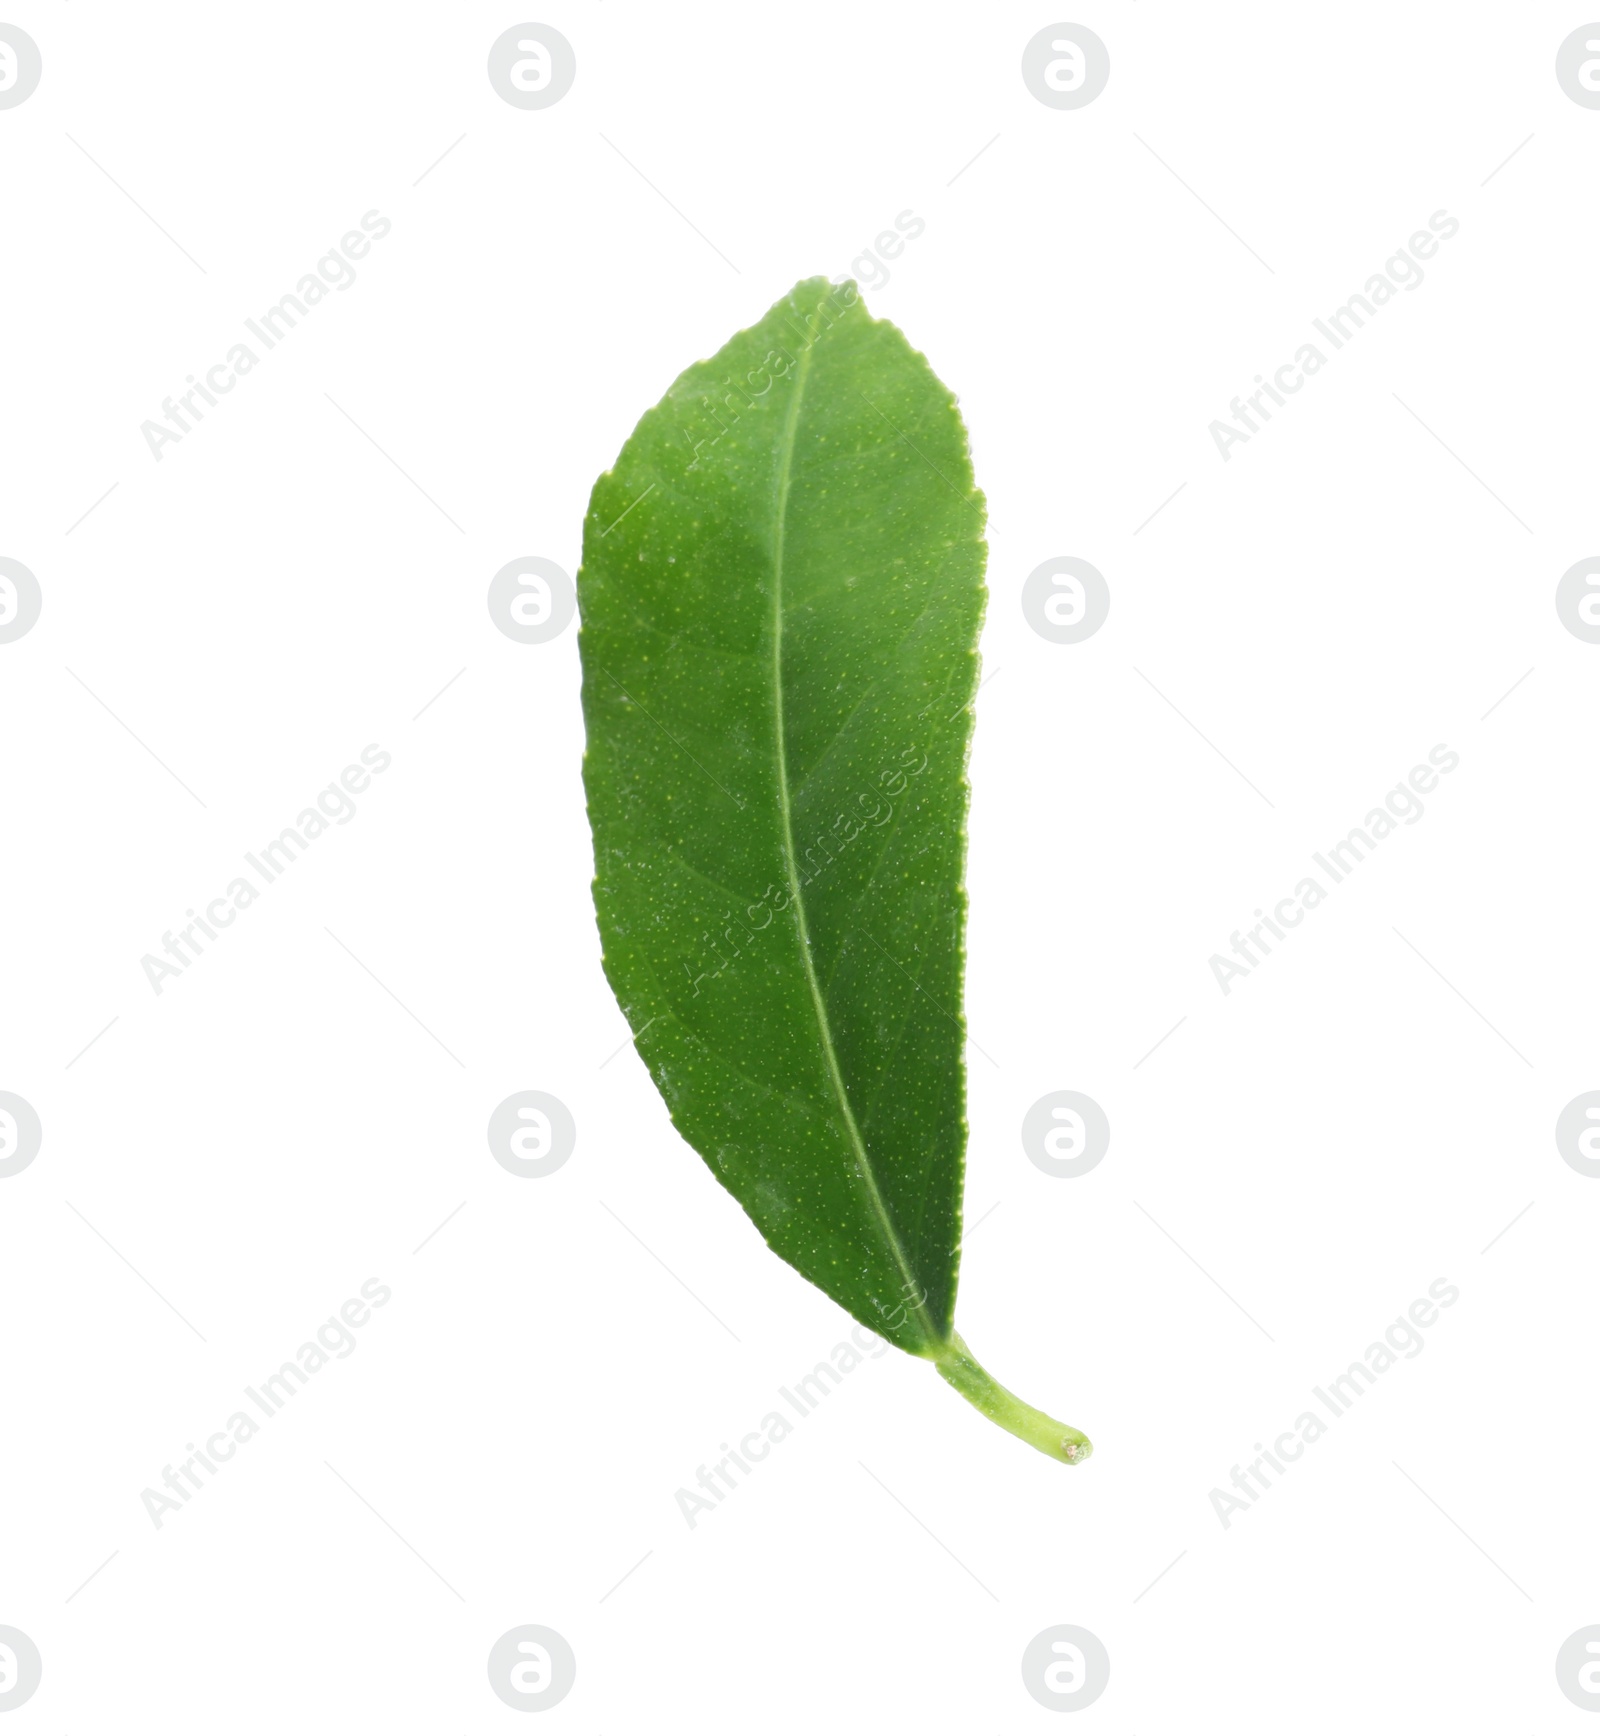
x,y
273,1129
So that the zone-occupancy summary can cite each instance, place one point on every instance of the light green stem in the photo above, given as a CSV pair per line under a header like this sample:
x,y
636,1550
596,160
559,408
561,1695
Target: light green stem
x,y
978,1387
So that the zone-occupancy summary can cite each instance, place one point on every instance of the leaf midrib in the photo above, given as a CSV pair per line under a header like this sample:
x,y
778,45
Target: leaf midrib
x,y
863,1164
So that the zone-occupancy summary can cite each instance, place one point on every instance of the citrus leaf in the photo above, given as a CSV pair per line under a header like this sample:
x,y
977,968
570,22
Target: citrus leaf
x,y
781,592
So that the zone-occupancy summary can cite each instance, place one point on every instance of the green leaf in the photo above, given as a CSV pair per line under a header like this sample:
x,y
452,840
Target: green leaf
x,y
781,592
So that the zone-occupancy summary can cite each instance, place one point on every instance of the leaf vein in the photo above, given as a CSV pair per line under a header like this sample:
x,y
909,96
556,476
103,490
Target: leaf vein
x,y
869,1182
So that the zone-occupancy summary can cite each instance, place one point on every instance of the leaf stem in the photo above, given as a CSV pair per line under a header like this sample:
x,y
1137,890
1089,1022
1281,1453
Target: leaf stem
x,y
979,1388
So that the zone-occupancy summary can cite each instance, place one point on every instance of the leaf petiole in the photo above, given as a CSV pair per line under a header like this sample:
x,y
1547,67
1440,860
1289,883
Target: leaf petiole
x,y
979,1388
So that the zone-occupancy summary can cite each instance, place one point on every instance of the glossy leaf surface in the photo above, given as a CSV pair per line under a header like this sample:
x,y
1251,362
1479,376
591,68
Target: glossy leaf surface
x,y
781,592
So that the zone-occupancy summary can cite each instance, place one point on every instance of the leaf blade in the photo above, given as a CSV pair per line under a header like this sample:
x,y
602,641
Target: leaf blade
x,y
779,661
